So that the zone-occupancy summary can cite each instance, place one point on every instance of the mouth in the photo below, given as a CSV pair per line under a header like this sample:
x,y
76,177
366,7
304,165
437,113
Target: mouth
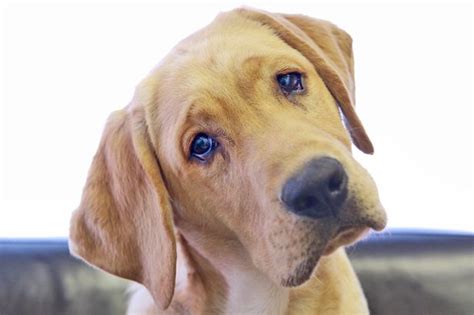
x,y
345,236
312,240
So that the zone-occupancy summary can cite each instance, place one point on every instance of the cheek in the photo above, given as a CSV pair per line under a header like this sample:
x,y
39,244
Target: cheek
x,y
216,192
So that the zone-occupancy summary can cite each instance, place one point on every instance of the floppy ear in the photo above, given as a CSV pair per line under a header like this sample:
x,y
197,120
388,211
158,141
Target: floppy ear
x,y
124,222
329,49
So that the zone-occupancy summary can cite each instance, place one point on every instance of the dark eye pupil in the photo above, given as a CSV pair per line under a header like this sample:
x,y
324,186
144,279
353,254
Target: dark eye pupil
x,y
202,146
290,82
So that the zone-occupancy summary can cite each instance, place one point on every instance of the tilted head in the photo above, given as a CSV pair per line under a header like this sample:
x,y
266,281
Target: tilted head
x,y
239,132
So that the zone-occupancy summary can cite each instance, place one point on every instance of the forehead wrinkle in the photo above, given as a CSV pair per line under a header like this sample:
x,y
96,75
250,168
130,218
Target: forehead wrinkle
x,y
211,111
248,77
201,112
201,96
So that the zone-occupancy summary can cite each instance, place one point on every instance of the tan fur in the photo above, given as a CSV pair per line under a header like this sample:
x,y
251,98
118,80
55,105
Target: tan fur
x,y
214,238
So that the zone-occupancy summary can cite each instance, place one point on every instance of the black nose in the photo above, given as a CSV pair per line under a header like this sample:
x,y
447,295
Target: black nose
x,y
318,190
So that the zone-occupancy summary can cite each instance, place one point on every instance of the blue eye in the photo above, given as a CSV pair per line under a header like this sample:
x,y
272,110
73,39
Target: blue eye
x,y
290,82
203,146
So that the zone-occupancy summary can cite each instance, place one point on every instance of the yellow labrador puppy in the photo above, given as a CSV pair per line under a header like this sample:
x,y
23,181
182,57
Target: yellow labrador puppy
x,y
227,185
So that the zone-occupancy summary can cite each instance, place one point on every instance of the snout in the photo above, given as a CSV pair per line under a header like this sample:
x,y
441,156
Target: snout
x,y
317,190
325,203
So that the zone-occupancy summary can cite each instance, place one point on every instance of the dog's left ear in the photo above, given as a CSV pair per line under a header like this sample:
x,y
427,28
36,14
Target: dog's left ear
x,y
329,49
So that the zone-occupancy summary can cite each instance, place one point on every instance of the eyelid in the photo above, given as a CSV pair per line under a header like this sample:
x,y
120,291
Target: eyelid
x,y
215,132
290,69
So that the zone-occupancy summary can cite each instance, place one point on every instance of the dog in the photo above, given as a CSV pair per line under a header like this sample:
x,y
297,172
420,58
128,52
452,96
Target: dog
x,y
227,185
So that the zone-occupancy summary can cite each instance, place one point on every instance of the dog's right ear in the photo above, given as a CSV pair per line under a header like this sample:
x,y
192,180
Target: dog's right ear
x,y
124,222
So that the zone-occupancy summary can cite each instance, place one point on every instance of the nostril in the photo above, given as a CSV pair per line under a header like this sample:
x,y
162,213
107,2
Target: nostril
x,y
305,202
336,182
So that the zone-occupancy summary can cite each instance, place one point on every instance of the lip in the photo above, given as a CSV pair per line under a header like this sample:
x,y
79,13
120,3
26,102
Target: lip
x,y
345,235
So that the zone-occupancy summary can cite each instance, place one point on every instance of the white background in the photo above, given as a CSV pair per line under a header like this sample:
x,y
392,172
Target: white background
x,y
65,67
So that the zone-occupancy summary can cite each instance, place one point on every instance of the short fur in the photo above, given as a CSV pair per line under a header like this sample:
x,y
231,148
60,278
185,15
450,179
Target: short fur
x,y
214,237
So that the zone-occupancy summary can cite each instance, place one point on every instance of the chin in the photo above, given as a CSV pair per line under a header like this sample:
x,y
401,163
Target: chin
x,y
305,268
302,272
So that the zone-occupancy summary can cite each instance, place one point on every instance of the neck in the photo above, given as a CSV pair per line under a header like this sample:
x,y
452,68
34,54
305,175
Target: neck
x,y
215,275
228,279
252,292
224,281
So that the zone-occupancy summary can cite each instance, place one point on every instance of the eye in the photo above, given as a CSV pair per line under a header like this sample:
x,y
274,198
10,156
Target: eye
x,y
290,82
202,146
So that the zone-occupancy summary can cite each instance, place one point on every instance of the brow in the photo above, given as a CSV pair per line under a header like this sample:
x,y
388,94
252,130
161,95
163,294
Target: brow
x,y
210,110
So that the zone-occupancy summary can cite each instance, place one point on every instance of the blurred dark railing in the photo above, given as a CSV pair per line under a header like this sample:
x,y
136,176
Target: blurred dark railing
x,y
402,271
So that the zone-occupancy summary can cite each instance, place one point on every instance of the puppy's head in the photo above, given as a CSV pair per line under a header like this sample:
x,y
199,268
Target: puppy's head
x,y
240,133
